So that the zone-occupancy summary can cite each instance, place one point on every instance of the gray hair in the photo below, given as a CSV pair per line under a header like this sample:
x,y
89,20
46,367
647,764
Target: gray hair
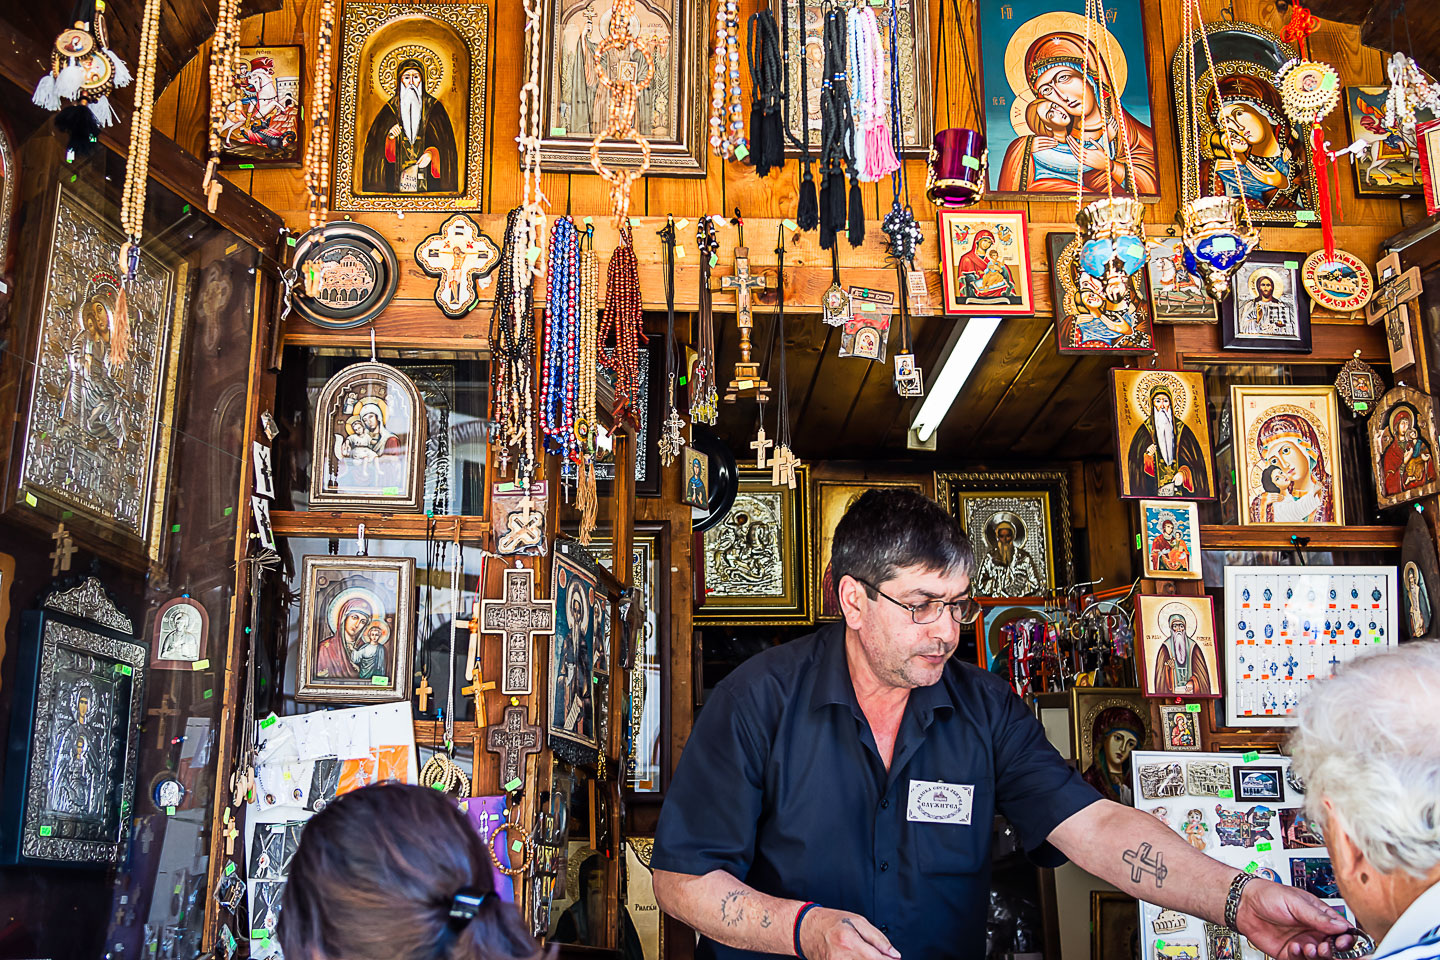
x,y
1369,742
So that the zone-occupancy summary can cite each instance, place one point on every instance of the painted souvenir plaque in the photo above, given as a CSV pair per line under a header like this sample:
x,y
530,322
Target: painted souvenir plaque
x,y
1247,146
462,258
1267,310
368,450
1402,444
1162,434
697,478
1175,295
104,381
1172,539
411,116
1287,454
1387,166
179,635
357,622
1096,314
1340,282
261,125
1048,133
916,126
832,499
578,652
1012,540
669,110
1419,579
986,260
1177,649
756,567
348,274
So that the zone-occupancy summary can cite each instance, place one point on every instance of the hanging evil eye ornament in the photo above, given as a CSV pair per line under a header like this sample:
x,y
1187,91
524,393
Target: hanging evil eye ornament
x,y
1216,241
1112,241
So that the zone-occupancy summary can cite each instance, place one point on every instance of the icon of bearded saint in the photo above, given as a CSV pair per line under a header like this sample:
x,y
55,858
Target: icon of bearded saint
x,y
411,144
1180,666
1007,569
1165,459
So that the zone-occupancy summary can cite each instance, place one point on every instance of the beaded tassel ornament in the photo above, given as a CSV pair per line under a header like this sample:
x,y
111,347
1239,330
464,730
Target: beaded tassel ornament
x,y
762,49
224,57
671,436
620,333
622,99
704,393
512,334
84,71
869,97
137,162
727,112
586,496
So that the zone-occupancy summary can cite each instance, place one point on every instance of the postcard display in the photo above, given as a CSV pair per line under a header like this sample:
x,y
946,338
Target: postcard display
x,y
1250,817
1289,628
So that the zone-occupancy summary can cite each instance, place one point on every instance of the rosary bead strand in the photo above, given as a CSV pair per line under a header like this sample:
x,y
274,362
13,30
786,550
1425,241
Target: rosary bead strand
x,y
317,149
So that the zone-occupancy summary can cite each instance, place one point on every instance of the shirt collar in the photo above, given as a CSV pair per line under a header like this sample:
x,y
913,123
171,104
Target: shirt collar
x,y
1417,921
834,686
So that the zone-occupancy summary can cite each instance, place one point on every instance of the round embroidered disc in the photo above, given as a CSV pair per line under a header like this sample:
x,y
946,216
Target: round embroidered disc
x,y
1341,282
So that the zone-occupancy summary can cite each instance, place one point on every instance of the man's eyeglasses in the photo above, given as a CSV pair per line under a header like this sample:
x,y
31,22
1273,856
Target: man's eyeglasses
x,y
964,610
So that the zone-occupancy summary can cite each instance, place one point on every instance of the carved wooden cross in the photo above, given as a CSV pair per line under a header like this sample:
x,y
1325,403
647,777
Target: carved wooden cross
x,y
760,444
1394,291
519,617
423,692
526,528
463,258
64,550
747,372
165,709
478,689
230,834
514,739
782,468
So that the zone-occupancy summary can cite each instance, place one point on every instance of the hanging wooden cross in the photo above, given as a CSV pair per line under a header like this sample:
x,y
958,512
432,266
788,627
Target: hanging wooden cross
x,y
477,689
514,739
747,372
782,467
519,618
760,444
230,833
163,711
463,258
64,550
1394,291
423,692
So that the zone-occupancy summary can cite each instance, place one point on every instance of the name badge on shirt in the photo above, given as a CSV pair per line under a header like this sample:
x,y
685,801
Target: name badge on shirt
x,y
935,802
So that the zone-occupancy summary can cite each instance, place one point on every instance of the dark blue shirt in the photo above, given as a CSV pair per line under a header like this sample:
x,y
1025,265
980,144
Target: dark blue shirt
x,y
781,785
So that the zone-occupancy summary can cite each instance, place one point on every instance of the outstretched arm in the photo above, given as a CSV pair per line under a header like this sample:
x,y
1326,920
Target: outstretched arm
x,y
1148,860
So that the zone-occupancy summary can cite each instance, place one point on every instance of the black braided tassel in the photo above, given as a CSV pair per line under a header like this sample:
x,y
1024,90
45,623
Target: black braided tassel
x,y
855,233
807,213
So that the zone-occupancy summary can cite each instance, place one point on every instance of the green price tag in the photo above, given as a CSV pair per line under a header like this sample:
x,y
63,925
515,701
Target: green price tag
x,y
682,223
714,259
588,221
1305,215
1227,794
268,721
517,846
209,694
634,221
532,254
1291,264
1137,541
125,669
46,831
174,528
1251,757
391,491
170,812
1361,406
290,240
791,225
247,166
65,514
380,681
741,152
1222,244
228,511
1263,847
200,665
229,868
259,933
680,252
1327,82
30,499
512,785
972,162
558,131
1159,944
1192,708
868,307
1251,867
438,786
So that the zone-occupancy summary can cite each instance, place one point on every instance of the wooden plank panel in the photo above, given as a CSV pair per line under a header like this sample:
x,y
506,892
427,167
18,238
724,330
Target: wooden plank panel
x,y
1066,404
1012,346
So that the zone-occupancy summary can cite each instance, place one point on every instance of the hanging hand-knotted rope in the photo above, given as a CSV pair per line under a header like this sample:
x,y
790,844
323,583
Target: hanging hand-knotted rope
x,y
623,95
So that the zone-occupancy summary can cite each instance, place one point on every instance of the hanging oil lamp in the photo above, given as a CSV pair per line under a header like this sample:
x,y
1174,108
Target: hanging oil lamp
x,y
958,166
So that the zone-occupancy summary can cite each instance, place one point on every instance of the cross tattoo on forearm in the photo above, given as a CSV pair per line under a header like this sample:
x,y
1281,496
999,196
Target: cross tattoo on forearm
x,y
1141,863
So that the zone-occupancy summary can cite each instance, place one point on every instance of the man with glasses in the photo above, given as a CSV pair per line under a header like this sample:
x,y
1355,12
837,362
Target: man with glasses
x,y
837,795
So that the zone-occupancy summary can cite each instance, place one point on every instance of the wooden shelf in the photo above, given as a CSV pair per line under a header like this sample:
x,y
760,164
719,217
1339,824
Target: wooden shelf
x,y
1274,536
401,526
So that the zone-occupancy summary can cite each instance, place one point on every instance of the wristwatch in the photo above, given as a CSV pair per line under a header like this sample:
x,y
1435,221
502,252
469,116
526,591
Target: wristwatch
x,y
1232,899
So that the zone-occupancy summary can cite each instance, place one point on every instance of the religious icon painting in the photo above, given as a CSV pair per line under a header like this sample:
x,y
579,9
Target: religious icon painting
x,y
755,563
1051,124
1109,723
1257,784
104,385
986,259
1387,163
1402,444
1011,530
1105,314
410,131
462,258
672,81
348,275
832,499
1176,649
1162,434
78,697
579,652
260,124
1359,386
1419,579
1268,310
1287,454
1176,295
368,450
179,635
357,617
1224,943
1171,540
1179,727
1247,147
697,478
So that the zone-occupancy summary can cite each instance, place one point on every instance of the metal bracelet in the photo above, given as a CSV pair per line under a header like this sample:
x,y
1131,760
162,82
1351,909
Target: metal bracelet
x,y
1232,899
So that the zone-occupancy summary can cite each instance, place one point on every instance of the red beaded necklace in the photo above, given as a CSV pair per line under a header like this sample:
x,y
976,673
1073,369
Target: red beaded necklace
x,y
621,330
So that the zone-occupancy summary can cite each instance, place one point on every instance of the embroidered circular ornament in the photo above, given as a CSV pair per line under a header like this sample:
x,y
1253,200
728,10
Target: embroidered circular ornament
x,y
352,270
1339,282
1308,89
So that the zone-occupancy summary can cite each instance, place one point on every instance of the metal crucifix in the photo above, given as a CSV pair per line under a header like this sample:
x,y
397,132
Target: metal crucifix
x,y
747,372
518,618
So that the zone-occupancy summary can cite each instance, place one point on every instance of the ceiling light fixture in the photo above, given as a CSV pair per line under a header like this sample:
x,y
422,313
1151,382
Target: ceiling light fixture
x,y
963,352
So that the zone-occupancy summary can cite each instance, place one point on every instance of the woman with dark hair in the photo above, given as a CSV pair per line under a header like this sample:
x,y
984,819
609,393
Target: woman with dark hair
x,y
396,872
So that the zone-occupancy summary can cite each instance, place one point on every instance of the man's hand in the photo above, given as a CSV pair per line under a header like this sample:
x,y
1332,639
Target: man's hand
x,y
837,935
1286,922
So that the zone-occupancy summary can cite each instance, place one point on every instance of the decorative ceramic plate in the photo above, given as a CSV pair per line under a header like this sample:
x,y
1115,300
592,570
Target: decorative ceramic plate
x,y
358,274
1340,282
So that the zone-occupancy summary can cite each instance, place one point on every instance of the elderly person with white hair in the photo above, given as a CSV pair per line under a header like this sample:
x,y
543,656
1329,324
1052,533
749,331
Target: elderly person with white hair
x,y
1368,751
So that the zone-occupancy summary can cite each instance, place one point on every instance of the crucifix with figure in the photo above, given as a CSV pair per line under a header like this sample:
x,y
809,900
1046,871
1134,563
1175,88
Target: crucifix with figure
x,y
514,739
462,258
518,618
747,372
64,550
1394,291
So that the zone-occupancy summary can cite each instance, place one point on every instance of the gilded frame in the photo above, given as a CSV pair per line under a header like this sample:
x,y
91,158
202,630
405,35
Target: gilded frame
x,y
313,688
345,398
1422,406
794,603
1251,407
1067,297
682,154
825,522
360,23
1191,719
983,500
1055,484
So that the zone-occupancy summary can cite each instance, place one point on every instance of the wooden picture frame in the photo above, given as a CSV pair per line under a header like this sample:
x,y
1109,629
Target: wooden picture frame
x,y
754,566
179,635
1086,320
1427,141
1024,46
1280,321
1403,434
1159,669
1176,295
1301,427
679,34
1143,468
1114,926
1094,711
1172,553
579,653
1180,727
832,499
451,42
262,120
365,604
368,449
1365,123
1419,579
985,256
960,492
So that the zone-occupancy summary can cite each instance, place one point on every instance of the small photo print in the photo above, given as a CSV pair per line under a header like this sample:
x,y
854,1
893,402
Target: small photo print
x,y
1259,784
1314,875
1298,831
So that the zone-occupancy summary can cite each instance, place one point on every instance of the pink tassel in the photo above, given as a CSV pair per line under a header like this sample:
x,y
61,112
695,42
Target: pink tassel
x,y
880,152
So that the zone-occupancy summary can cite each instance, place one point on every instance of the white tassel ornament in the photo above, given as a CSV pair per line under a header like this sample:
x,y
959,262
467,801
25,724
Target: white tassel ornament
x,y
67,84
45,95
122,73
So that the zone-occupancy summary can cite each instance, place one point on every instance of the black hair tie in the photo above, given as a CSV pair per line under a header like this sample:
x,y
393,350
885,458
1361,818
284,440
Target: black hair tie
x,y
467,902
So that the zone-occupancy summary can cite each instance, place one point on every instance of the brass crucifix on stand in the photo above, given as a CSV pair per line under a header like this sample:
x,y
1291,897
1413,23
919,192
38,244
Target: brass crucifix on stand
x,y
747,372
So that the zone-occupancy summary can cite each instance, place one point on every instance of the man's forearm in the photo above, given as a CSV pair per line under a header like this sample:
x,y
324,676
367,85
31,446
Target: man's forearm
x,y
729,911
1145,858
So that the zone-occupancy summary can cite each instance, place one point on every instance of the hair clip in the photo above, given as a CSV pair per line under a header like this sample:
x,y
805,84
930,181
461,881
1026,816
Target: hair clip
x,y
467,902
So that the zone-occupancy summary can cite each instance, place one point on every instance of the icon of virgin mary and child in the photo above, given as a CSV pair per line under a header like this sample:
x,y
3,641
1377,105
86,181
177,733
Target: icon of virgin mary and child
x,y
1068,117
981,277
368,455
356,646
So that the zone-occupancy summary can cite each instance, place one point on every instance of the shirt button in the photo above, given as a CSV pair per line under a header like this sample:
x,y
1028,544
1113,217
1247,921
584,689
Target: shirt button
x,y
885,929
884,804
884,865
